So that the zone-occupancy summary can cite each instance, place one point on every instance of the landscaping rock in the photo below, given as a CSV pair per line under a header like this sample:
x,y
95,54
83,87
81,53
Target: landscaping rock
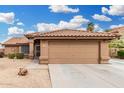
x,y
22,72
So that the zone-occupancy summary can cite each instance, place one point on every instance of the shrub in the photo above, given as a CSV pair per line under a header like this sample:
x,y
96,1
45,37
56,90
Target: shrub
x,y
19,55
16,55
120,54
1,54
11,56
116,44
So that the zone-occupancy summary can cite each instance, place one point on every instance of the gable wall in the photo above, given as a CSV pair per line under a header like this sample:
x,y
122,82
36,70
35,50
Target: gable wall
x,y
11,49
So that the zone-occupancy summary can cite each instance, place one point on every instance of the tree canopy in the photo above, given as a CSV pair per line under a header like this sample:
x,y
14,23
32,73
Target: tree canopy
x,y
90,27
117,43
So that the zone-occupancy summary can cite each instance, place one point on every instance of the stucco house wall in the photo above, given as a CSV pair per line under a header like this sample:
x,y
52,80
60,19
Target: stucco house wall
x,y
103,53
11,49
16,45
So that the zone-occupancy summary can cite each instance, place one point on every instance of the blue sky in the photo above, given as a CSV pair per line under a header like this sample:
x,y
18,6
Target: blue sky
x,y
17,20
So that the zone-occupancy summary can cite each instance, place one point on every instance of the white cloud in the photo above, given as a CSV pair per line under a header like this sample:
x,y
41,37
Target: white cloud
x,y
117,10
75,23
101,17
79,20
7,17
104,10
46,27
62,9
82,28
20,24
15,30
115,26
30,31
97,28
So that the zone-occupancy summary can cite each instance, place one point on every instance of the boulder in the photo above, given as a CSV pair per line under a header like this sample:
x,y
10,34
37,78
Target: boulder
x,y
22,72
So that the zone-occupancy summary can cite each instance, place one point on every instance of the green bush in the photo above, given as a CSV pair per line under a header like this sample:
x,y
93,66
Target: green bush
x,y
120,54
16,55
19,55
11,56
116,44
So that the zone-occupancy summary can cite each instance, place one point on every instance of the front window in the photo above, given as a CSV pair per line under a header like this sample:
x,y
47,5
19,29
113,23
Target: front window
x,y
25,49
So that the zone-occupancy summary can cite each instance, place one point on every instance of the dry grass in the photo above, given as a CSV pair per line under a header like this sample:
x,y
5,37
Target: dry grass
x,y
37,77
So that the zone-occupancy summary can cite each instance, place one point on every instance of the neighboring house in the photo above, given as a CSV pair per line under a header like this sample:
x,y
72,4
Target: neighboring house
x,y
16,45
117,44
119,30
70,46
2,50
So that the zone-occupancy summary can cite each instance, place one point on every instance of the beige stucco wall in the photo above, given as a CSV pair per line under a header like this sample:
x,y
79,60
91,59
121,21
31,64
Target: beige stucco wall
x,y
11,49
104,52
2,50
44,51
31,48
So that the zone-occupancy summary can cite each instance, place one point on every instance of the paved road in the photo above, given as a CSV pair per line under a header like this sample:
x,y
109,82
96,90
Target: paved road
x,y
88,75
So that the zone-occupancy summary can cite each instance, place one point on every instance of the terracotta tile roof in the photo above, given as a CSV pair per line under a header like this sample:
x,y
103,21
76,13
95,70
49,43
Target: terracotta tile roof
x,y
16,41
77,33
72,33
31,35
118,30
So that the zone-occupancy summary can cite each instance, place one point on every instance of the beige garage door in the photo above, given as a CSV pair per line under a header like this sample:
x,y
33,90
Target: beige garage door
x,y
74,52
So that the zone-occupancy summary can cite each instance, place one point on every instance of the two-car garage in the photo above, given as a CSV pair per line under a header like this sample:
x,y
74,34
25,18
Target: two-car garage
x,y
73,51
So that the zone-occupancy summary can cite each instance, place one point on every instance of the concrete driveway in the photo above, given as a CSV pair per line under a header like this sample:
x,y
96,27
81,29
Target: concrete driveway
x,y
88,75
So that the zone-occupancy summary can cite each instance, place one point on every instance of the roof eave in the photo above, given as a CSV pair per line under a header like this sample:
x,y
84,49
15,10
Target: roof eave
x,y
15,44
28,36
56,37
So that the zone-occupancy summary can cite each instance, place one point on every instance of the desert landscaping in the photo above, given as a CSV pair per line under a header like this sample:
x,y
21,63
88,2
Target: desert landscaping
x,y
38,75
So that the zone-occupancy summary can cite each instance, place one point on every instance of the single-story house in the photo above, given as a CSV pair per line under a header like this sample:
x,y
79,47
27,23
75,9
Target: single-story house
x,y
119,30
70,46
16,45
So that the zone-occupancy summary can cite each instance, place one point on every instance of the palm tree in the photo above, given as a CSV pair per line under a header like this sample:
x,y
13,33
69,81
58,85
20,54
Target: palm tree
x,y
90,27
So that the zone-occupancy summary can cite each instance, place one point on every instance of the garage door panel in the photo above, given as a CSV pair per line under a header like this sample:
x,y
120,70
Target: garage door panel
x,y
74,49
74,43
73,52
70,55
86,45
73,61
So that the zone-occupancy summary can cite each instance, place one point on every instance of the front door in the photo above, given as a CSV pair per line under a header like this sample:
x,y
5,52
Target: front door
x,y
37,51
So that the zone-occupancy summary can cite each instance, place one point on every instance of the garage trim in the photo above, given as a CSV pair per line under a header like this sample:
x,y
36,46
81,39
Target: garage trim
x,y
99,54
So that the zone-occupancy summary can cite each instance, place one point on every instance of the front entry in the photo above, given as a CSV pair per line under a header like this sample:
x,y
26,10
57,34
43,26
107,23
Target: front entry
x,y
37,49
